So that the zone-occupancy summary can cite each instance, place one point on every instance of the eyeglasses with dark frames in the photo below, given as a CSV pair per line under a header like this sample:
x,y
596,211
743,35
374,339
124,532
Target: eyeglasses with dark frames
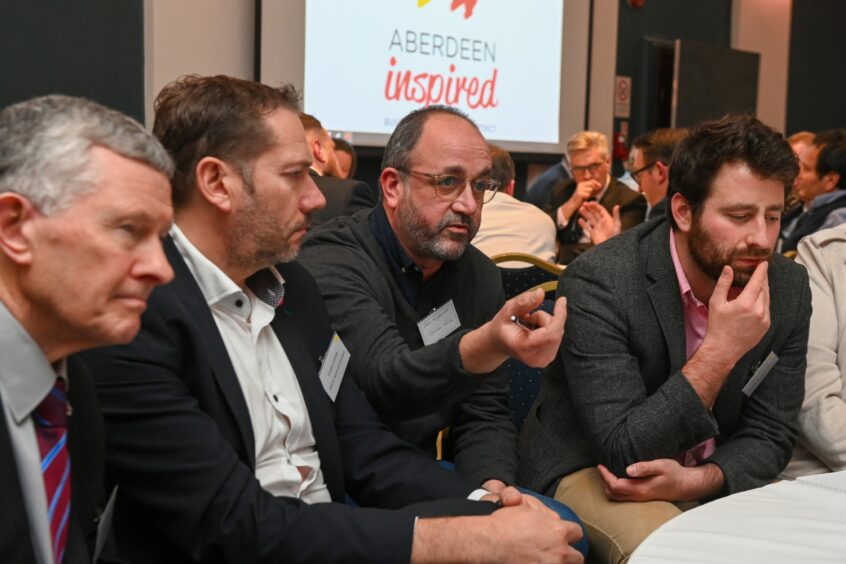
x,y
593,168
450,186
636,173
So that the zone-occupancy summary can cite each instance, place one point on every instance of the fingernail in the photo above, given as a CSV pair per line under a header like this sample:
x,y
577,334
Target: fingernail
x,y
632,470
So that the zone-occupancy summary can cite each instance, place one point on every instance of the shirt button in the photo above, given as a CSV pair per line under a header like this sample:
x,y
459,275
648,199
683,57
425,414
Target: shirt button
x,y
275,398
239,303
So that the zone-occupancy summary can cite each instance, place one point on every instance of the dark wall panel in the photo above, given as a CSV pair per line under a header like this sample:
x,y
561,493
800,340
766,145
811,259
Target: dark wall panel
x,y
817,79
663,20
93,48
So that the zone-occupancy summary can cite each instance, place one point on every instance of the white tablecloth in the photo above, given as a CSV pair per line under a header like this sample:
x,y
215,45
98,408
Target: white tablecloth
x,y
802,521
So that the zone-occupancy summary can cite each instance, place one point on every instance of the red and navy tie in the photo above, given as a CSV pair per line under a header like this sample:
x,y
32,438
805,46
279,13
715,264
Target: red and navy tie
x,y
51,428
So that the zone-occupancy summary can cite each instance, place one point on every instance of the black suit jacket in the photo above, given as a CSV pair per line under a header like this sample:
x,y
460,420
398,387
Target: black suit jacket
x,y
632,212
86,450
342,197
180,443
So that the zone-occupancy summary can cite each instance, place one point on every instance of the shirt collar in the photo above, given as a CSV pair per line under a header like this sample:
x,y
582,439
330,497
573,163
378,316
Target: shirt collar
x,y
26,375
602,192
387,239
684,285
827,198
218,289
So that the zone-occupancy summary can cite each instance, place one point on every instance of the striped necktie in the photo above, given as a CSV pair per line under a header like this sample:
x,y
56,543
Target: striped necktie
x,y
51,428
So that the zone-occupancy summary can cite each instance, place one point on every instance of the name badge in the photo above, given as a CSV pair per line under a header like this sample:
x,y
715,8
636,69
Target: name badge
x,y
439,323
762,370
334,365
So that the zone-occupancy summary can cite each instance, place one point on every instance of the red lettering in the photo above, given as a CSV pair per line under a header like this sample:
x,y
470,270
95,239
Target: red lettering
x,y
434,88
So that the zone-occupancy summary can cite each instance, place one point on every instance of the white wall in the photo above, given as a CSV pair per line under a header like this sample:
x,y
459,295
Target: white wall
x,y
763,26
603,66
195,37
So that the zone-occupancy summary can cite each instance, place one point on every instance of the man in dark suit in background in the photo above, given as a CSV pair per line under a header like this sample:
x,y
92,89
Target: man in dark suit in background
x,y
590,164
681,372
84,200
231,426
340,193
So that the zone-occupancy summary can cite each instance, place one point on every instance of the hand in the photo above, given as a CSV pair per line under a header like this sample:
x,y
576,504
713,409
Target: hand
x,y
532,532
734,327
585,190
535,342
495,486
663,479
598,224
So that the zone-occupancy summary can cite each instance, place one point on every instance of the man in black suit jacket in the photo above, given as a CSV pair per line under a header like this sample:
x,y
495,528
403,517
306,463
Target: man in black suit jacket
x,y
233,432
590,164
343,197
84,198
653,401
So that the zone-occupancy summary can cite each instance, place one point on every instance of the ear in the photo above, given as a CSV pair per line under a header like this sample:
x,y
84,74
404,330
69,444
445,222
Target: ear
x,y
218,183
831,180
509,189
16,215
682,212
392,187
663,171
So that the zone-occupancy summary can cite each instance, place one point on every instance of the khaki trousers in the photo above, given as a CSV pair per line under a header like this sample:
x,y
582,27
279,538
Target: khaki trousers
x,y
614,528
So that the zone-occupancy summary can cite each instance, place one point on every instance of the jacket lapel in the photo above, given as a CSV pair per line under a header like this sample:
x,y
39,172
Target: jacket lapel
x,y
664,295
15,542
192,298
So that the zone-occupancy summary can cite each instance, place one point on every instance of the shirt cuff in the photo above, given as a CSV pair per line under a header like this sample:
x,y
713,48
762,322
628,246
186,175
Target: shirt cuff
x,y
560,219
477,494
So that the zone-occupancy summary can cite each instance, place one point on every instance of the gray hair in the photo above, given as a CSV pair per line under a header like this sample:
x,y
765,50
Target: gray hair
x,y
45,147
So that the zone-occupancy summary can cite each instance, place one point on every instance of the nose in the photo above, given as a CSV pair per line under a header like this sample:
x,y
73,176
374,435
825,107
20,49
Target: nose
x,y
152,264
312,198
758,234
466,201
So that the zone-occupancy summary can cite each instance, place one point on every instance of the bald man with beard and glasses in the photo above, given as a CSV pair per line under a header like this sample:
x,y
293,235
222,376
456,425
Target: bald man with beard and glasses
x,y
232,429
421,310
681,373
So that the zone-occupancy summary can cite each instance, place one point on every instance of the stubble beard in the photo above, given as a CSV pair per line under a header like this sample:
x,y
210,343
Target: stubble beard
x,y
436,243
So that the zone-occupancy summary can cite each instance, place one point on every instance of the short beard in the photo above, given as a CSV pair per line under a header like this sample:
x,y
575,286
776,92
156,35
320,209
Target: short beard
x,y
433,243
256,240
711,260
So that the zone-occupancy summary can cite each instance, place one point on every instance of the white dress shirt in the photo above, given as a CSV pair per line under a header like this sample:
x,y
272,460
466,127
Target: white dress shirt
x,y
287,463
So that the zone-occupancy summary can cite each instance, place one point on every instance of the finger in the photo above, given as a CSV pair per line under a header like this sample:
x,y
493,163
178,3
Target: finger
x,y
647,468
754,286
616,214
524,303
510,496
721,289
607,476
573,532
559,316
584,225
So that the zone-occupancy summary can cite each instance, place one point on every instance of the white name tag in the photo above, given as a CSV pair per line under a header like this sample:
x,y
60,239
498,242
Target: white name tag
x,y
439,324
759,374
334,365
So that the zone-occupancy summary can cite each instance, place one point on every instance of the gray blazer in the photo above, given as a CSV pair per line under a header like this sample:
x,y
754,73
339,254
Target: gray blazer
x,y
615,393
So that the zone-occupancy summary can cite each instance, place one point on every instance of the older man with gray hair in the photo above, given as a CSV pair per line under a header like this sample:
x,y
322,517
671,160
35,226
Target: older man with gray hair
x,y
84,200
590,164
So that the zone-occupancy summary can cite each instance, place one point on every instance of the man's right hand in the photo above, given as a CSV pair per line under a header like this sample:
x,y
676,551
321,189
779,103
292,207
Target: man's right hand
x,y
585,190
528,532
735,326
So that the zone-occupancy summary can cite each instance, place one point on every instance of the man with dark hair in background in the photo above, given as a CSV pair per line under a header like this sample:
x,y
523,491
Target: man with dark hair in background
x,y
821,186
325,172
347,159
590,163
84,201
509,225
681,372
232,430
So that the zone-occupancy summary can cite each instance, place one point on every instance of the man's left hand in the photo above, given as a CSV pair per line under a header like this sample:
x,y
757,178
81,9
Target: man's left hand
x,y
662,479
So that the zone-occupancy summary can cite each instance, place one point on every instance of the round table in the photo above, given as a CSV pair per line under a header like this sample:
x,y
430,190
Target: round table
x,y
798,521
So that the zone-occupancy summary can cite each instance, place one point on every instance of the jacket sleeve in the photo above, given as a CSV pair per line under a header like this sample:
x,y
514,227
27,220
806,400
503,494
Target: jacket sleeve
x,y
822,421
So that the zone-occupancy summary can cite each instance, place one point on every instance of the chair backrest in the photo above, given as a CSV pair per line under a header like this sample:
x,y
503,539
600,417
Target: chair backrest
x,y
524,382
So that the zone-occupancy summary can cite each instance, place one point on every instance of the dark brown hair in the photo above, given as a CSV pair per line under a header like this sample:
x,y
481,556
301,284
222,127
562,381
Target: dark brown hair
x,y
219,116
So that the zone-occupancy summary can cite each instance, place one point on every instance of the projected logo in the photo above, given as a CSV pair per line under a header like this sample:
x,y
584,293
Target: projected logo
x,y
469,5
